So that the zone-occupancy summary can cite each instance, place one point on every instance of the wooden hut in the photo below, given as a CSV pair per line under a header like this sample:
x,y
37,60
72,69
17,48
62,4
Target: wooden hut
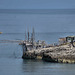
x,y
62,41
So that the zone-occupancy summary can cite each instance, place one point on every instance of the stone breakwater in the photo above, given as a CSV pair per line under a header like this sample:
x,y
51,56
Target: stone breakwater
x,y
60,54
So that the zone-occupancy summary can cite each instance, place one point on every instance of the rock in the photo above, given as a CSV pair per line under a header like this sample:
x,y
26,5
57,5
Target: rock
x,y
63,54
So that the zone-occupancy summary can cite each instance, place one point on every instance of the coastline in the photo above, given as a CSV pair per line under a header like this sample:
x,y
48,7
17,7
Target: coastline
x,y
58,54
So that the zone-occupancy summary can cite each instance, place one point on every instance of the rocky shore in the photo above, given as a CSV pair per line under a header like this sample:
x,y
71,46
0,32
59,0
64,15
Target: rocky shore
x,y
59,54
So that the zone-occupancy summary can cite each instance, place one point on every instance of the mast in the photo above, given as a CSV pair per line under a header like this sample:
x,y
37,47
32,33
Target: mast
x,y
28,35
25,36
33,34
33,37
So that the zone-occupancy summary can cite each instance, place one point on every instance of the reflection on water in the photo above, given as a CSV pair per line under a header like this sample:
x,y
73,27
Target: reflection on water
x,y
30,65
39,67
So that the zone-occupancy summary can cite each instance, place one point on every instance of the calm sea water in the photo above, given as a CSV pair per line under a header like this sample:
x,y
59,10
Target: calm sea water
x,y
13,26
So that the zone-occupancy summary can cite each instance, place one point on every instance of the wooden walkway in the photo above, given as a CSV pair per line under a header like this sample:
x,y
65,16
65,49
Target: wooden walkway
x,y
11,41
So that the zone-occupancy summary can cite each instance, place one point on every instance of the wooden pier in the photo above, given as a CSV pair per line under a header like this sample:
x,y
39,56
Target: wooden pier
x,y
11,41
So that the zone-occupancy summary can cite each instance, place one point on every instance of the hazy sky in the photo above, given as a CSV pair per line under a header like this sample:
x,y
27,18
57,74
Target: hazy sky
x,y
37,4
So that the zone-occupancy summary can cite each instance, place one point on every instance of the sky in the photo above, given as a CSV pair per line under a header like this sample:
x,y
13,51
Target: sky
x,y
37,4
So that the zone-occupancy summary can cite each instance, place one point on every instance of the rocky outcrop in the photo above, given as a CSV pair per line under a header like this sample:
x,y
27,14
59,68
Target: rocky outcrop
x,y
63,54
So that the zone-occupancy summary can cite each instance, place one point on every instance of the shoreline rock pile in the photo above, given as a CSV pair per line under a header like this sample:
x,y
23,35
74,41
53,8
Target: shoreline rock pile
x,y
60,54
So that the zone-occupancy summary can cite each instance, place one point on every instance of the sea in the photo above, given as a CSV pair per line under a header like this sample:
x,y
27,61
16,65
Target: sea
x,y
49,25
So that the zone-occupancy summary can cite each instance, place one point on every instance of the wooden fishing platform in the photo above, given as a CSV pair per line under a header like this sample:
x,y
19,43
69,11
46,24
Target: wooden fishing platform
x,y
11,41
62,53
